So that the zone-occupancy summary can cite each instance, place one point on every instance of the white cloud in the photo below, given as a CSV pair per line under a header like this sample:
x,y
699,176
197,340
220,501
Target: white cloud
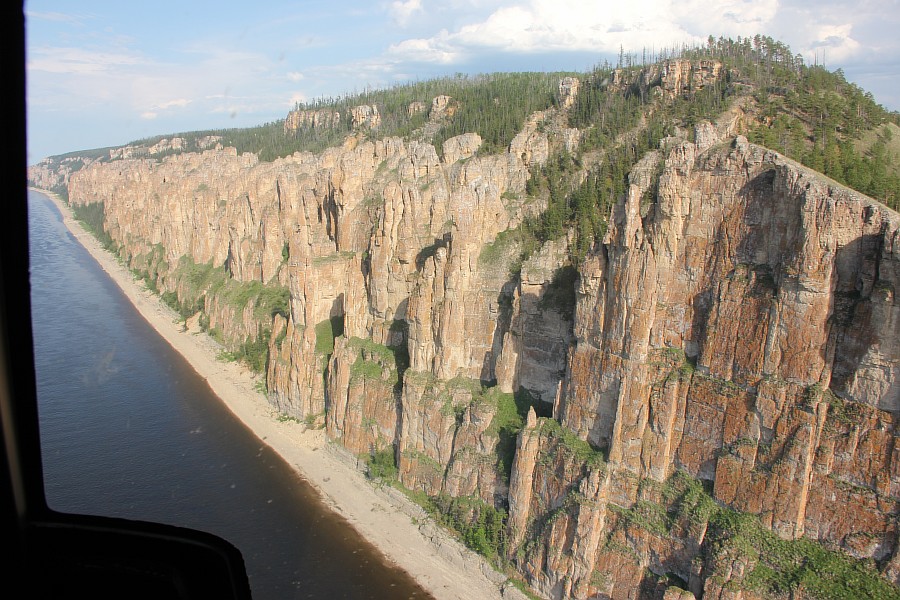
x,y
295,76
574,25
837,33
149,115
440,49
296,98
562,25
728,18
178,102
403,12
833,43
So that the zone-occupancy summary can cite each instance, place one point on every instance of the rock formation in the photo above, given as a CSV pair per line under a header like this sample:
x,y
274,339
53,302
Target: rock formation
x,y
744,333
315,119
730,348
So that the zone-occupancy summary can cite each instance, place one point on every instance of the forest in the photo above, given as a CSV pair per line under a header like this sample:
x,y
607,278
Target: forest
x,y
806,112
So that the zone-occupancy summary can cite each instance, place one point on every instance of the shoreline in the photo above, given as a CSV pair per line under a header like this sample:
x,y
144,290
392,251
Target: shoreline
x,y
398,528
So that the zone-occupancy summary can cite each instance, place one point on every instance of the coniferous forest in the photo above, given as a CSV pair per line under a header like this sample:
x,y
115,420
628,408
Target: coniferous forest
x,y
807,112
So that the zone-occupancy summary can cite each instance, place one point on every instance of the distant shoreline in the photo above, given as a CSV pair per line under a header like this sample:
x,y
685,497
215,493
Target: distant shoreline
x,y
383,516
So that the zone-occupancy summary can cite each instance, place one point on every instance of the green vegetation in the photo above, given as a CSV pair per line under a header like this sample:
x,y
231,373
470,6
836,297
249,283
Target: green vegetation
x,y
786,566
374,359
255,353
326,332
92,218
506,424
777,567
495,106
842,414
366,369
808,113
682,365
810,123
574,446
814,115
649,516
509,419
150,268
382,465
688,499
511,247
622,126
481,526
62,191
330,258
197,282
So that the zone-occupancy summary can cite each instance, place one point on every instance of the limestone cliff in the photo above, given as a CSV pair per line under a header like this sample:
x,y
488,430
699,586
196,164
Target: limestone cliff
x,y
729,349
377,243
743,332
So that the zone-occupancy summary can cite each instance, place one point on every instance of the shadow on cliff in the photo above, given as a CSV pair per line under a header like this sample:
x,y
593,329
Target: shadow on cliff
x,y
504,323
852,327
428,251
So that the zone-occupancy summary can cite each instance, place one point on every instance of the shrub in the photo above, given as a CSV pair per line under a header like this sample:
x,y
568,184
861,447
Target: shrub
x,y
326,331
382,464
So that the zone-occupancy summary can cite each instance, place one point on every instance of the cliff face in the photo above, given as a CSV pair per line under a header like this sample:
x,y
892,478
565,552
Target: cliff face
x,y
732,344
743,332
379,241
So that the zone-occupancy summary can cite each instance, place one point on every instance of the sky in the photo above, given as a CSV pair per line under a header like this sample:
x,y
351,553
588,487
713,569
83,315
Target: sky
x,y
104,73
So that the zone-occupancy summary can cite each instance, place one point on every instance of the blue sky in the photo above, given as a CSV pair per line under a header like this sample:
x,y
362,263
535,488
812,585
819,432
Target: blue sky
x,y
103,73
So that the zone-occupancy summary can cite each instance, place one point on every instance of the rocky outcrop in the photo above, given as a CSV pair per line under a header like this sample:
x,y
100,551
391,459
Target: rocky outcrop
x,y
363,395
362,116
54,175
461,147
365,115
314,119
669,79
374,234
442,106
447,443
531,145
165,145
729,349
415,108
568,90
713,338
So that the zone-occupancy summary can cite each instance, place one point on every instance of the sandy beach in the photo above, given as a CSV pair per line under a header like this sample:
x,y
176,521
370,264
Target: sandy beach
x,y
396,526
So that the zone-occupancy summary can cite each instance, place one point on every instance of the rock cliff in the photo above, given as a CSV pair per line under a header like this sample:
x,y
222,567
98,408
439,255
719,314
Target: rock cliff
x,y
316,119
730,349
743,332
